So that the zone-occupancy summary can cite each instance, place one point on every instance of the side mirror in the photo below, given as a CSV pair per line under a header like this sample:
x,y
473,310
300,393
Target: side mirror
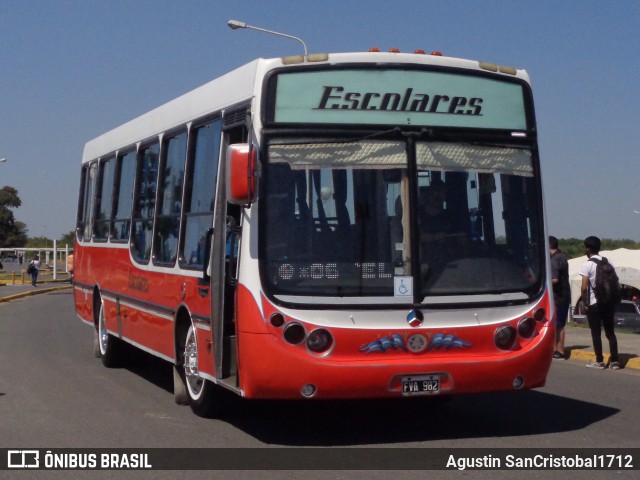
x,y
241,175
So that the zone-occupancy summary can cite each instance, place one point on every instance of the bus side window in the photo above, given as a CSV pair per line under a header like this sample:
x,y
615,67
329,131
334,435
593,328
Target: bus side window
x,y
89,201
145,203
82,204
200,185
104,197
123,196
170,197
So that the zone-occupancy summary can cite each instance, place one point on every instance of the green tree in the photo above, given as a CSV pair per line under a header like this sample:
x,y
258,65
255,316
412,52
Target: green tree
x,y
12,233
67,238
39,242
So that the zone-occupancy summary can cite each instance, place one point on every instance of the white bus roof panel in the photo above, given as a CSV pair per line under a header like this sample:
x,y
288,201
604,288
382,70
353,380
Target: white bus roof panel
x,y
228,90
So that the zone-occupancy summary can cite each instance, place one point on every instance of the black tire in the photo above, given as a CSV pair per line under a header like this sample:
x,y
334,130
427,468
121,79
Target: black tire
x,y
180,394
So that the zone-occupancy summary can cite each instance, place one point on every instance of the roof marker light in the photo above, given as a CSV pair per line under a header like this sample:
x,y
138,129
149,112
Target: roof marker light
x,y
374,49
317,57
492,67
394,50
436,53
292,60
420,52
507,70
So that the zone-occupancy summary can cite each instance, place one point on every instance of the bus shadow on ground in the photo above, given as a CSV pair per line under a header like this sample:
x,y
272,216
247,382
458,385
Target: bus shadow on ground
x,y
319,423
343,423
152,369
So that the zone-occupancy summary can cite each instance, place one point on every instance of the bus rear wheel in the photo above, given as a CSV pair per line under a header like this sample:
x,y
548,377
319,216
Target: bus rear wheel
x,y
205,398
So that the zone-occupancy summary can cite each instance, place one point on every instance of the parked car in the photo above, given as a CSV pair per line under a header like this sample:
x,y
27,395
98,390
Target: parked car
x,y
576,313
627,315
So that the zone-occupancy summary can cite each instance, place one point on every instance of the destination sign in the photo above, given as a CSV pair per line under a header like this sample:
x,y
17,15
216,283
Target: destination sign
x,y
399,97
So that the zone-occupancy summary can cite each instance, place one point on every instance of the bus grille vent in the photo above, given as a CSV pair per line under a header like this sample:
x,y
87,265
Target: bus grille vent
x,y
235,117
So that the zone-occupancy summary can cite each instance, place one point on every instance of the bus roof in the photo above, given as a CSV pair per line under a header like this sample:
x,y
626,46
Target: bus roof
x,y
243,83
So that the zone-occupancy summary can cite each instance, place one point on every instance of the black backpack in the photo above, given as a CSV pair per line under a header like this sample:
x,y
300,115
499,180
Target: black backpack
x,y
607,285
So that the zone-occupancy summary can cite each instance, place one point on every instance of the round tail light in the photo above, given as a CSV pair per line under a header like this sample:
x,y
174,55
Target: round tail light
x,y
527,327
319,341
505,337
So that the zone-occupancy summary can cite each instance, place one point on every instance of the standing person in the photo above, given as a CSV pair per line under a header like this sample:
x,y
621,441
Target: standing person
x,y
34,265
598,315
561,293
70,267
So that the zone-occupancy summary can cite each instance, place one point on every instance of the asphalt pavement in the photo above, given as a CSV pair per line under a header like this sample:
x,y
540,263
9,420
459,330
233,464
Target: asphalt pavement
x,y
578,344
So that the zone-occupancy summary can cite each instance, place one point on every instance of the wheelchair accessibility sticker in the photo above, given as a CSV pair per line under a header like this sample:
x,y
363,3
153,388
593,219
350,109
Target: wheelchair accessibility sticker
x,y
403,286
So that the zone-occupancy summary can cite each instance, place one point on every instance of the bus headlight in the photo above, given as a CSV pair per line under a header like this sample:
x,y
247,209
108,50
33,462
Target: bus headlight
x,y
319,341
527,327
294,333
505,337
276,319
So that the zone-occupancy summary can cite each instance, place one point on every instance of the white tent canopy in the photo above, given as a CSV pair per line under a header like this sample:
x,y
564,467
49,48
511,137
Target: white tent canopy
x,y
627,263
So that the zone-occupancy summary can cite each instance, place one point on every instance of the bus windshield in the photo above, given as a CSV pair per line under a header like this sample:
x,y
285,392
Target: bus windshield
x,y
355,223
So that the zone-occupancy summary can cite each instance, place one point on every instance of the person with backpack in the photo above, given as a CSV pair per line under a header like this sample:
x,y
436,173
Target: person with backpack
x,y
601,289
33,269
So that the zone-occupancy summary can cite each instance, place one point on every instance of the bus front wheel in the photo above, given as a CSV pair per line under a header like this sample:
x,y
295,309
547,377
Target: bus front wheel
x,y
205,398
106,346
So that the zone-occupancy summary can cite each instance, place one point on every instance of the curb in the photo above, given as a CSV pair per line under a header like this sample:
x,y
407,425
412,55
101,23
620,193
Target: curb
x,y
36,291
626,360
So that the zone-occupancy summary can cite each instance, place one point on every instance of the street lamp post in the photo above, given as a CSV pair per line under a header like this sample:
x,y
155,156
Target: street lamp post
x,y
235,24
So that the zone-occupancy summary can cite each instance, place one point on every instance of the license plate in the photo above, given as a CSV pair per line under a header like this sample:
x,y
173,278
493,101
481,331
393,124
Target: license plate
x,y
421,385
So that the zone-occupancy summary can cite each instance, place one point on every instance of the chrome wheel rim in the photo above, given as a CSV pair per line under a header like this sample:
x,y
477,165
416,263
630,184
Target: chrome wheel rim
x,y
103,335
194,382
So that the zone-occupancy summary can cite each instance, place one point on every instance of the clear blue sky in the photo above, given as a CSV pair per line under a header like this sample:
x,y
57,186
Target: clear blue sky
x,y
73,69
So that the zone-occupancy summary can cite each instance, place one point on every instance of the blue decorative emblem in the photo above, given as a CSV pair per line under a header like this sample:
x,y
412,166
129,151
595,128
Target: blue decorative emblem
x,y
446,342
416,343
392,342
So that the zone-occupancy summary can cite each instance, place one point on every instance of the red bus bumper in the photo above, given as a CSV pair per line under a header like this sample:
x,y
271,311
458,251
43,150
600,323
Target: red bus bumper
x,y
269,373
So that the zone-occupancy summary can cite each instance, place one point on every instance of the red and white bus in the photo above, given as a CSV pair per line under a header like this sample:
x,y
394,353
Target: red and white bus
x,y
349,225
